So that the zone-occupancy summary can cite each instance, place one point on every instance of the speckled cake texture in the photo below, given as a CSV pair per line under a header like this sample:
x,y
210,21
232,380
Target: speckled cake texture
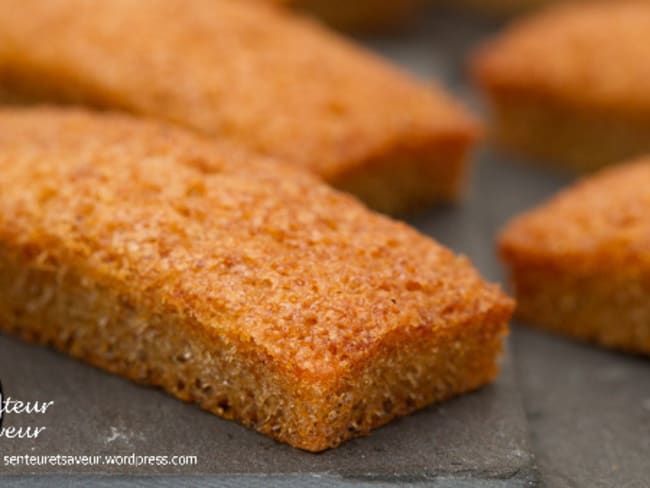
x,y
273,82
264,296
580,263
570,85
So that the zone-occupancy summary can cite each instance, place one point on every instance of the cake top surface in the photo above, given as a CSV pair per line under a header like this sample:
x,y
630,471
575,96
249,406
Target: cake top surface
x,y
592,54
603,219
252,250
280,84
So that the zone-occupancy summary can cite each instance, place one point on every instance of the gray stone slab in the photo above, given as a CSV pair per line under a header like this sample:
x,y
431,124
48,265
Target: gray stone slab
x,y
589,411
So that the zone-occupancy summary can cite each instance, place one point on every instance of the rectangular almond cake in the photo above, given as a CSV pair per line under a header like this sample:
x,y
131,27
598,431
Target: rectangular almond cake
x,y
273,82
264,296
570,85
580,263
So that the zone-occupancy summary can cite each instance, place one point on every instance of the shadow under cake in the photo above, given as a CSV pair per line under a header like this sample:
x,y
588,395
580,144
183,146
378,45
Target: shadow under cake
x,y
505,7
359,16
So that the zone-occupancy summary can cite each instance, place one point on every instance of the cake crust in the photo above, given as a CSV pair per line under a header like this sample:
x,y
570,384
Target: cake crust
x,y
265,297
580,264
569,84
248,73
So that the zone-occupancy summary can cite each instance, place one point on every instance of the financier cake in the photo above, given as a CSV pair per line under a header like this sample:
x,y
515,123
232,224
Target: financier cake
x,y
570,84
254,74
264,296
580,264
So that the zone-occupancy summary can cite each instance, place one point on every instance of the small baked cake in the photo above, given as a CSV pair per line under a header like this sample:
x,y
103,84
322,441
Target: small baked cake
x,y
257,75
570,84
264,296
580,264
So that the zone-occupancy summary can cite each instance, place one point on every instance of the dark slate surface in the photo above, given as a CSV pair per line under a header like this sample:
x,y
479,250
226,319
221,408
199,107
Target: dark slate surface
x,y
561,414
589,412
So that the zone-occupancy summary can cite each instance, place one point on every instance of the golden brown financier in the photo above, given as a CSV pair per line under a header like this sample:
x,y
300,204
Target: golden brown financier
x,y
264,296
580,263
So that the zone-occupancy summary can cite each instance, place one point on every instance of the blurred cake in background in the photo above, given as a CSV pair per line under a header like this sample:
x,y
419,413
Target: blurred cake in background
x,y
275,83
571,84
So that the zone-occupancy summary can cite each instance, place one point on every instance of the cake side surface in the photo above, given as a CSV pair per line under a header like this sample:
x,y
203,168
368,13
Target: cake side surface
x,y
159,235
575,139
248,73
580,264
96,324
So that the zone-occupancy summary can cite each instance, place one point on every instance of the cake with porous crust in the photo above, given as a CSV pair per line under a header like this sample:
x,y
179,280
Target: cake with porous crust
x,y
255,74
264,296
570,85
580,264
